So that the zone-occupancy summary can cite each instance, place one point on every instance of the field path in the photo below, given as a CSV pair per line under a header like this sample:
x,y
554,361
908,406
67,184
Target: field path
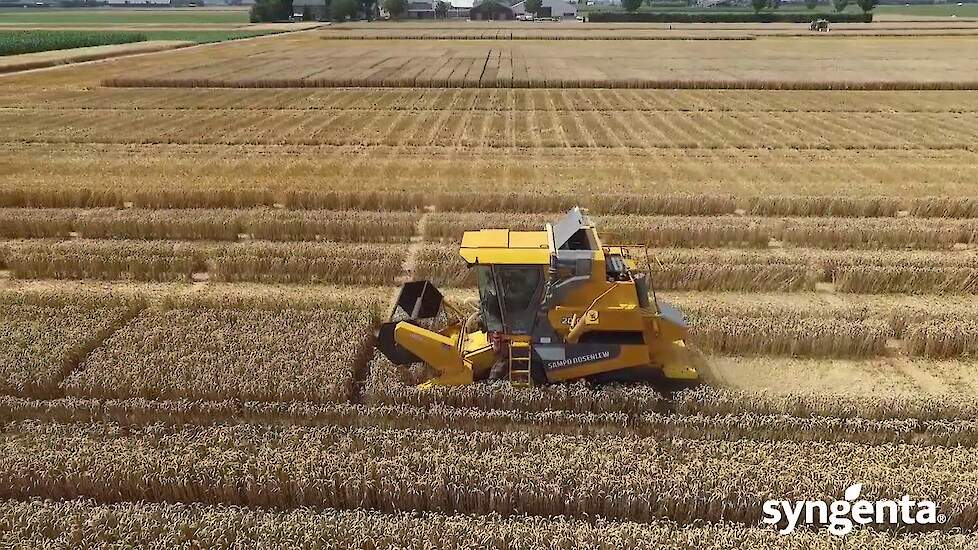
x,y
410,265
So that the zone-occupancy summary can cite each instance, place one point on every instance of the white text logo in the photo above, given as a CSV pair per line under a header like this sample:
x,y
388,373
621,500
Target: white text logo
x,y
842,515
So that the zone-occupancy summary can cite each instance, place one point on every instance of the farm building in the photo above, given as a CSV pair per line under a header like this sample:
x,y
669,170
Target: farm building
x,y
549,8
317,9
491,10
416,9
116,3
422,9
460,8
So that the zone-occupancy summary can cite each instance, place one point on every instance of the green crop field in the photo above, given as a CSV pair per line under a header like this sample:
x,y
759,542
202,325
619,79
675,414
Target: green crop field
x,y
936,10
17,42
122,17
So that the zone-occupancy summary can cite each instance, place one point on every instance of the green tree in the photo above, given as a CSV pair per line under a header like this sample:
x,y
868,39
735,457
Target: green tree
x,y
840,5
811,4
307,13
340,10
758,5
867,5
631,6
270,10
533,6
491,7
368,7
396,8
441,8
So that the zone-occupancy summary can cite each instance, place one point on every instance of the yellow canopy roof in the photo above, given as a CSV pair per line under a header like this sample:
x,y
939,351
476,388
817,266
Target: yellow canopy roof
x,y
502,246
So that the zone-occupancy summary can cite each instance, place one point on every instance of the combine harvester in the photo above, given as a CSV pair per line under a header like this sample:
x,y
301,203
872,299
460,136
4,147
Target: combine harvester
x,y
554,306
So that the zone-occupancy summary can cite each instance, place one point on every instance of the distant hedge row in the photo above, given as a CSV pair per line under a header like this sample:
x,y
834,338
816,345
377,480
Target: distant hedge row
x,y
725,17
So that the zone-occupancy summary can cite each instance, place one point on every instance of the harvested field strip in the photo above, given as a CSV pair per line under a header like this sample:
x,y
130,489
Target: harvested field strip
x,y
40,60
457,472
228,262
307,60
545,35
779,270
207,224
510,100
730,427
621,129
215,354
37,523
555,82
719,231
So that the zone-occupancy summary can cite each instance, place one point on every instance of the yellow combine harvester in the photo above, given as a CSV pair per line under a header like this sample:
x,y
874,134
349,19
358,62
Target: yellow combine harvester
x,y
554,305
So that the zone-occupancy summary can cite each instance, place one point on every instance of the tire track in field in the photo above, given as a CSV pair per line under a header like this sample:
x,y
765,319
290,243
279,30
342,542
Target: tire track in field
x,y
410,265
81,352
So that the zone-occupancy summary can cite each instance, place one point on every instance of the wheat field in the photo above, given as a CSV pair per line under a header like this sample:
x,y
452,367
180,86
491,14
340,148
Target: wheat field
x,y
197,246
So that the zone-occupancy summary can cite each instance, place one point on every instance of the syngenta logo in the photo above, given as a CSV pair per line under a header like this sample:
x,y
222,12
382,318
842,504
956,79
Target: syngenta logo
x,y
842,516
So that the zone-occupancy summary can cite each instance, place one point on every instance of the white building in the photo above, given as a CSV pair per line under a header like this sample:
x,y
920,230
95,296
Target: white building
x,y
138,3
550,8
427,9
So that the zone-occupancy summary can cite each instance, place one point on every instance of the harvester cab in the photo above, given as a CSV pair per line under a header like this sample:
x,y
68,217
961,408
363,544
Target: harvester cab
x,y
554,305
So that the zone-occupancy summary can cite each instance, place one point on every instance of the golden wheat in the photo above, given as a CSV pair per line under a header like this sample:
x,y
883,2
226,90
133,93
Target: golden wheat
x,y
181,260
800,337
83,259
145,224
778,270
36,223
469,472
308,263
40,345
208,353
42,523
944,338
389,384
352,226
729,427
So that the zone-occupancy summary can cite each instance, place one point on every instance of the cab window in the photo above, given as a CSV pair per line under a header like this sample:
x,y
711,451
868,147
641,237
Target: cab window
x,y
519,288
489,299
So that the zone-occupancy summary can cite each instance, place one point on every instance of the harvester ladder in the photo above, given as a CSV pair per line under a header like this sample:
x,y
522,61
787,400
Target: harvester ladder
x,y
519,363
